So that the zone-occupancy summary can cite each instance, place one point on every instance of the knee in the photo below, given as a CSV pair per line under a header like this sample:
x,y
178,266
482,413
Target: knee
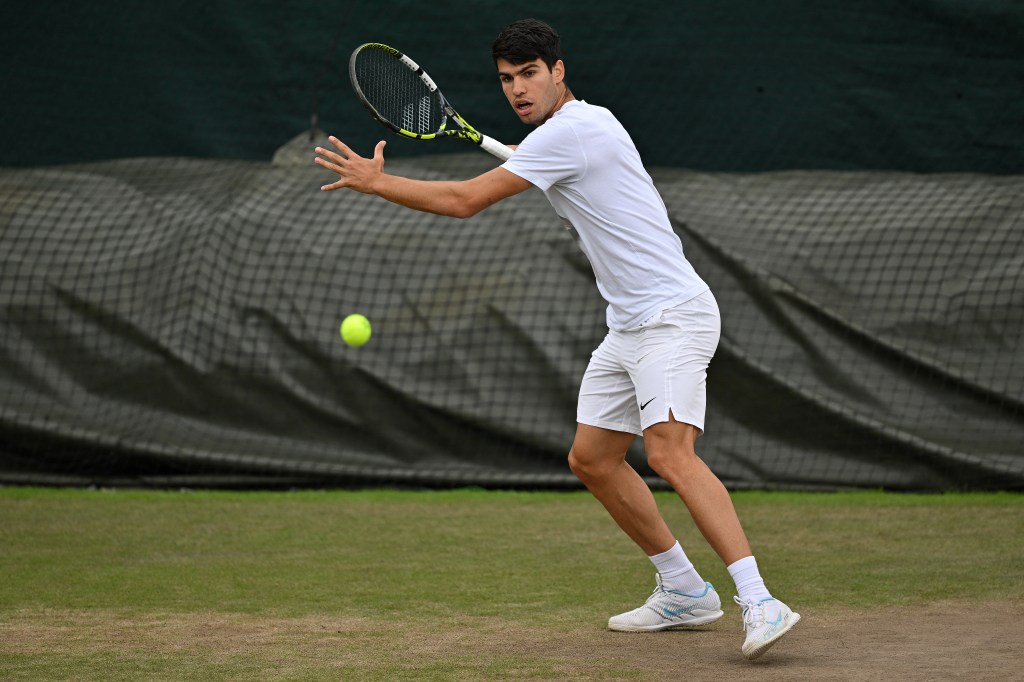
x,y
588,468
671,452
673,464
579,465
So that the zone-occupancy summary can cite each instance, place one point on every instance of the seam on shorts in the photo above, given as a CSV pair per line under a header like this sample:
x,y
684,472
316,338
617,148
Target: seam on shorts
x,y
621,428
669,399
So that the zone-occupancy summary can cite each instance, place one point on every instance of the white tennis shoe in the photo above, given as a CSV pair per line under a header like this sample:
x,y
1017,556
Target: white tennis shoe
x,y
666,609
765,622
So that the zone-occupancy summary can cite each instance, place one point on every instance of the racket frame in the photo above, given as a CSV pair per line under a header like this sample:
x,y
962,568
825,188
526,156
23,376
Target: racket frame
x,y
464,130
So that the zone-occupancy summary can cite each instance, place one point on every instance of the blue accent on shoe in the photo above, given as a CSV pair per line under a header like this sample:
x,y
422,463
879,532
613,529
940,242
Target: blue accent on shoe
x,y
672,613
707,588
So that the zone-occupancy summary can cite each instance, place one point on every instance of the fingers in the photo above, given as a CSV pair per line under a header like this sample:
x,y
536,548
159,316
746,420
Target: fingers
x,y
333,162
327,164
331,167
341,146
332,156
333,186
353,170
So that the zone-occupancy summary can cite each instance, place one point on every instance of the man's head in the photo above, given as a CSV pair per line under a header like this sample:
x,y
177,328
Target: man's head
x,y
528,55
527,40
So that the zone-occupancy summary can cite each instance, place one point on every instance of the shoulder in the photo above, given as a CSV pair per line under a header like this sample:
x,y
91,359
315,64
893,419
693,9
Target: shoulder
x,y
555,133
588,122
581,111
571,122
552,153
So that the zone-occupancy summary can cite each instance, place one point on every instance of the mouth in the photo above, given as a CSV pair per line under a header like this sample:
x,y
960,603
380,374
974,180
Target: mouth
x,y
523,107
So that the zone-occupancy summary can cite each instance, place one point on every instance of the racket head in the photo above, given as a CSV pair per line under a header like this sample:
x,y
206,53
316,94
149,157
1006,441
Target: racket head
x,y
397,92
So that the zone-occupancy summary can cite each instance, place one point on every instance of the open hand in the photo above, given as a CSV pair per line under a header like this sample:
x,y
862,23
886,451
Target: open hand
x,y
355,172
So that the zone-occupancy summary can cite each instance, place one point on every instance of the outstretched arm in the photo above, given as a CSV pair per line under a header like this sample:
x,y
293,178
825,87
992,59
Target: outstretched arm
x,y
459,199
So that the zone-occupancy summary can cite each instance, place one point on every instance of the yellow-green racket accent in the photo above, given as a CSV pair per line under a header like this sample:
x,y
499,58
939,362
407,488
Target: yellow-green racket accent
x,y
400,95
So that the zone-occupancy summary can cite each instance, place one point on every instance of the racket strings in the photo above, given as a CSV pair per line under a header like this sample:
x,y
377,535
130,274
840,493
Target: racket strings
x,y
397,93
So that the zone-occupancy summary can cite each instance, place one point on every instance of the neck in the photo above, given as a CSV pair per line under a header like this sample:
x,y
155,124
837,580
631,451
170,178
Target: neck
x,y
566,96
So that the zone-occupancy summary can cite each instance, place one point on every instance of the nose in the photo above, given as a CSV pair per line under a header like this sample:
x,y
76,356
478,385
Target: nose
x,y
518,86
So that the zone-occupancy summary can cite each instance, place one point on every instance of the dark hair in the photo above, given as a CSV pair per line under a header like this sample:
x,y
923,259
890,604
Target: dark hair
x,y
525,40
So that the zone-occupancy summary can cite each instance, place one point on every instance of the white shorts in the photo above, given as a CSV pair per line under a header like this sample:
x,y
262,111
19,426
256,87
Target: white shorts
x,y
636,376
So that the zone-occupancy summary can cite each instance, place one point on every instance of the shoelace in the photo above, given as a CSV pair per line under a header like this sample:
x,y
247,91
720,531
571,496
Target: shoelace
x,y
752,613
658,588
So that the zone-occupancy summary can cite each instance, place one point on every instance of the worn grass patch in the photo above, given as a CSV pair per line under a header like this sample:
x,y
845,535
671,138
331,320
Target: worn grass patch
x,y
453,585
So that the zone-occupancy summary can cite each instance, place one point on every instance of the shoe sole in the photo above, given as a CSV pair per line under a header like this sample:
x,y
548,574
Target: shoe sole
x,y
764,646
695,621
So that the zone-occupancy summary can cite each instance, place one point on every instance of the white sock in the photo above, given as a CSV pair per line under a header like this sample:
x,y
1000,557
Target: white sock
x,y
676,571
749,583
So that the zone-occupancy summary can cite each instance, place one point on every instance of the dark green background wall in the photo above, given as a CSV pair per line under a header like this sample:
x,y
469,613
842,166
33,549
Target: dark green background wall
x,y
739,85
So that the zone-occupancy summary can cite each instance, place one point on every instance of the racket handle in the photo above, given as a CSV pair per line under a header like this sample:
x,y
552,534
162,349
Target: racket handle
x,y
494,147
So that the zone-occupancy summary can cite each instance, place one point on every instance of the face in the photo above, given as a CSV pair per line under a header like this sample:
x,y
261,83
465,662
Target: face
x,y
534,91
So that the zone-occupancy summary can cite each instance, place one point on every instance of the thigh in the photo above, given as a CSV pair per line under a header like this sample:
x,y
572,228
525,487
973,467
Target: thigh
x,y
595,445
670,439
673,358
607,397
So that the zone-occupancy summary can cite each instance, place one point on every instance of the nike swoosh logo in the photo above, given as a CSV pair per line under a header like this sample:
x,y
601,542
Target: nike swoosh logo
x,y
672,613
643,405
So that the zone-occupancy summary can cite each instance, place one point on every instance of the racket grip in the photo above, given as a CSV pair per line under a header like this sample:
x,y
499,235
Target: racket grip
x,y
494,147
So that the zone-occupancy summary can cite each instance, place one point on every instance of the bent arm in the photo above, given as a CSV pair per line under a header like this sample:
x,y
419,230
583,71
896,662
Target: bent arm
x,y
458,199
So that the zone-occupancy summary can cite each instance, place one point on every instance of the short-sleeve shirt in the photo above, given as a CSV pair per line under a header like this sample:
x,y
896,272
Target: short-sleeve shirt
x,y
588,167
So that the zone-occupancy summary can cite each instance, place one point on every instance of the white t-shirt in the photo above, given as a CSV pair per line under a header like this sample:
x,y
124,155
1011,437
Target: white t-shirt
x,y
588,167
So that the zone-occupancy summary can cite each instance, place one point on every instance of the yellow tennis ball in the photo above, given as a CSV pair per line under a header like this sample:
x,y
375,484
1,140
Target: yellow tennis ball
x,y
355,330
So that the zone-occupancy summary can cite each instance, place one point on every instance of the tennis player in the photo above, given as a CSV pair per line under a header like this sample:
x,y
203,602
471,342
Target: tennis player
x,y
648,376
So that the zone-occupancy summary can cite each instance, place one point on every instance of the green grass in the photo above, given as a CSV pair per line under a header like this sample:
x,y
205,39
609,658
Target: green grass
x,y
104,569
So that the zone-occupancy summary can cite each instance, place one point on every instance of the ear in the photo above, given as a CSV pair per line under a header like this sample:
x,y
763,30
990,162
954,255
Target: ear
x,y
558,71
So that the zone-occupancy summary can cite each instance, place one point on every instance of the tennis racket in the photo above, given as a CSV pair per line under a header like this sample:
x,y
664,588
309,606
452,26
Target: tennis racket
x,y
400,95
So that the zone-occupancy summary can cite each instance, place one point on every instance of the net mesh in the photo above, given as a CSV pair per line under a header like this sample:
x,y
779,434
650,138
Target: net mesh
x,y
175,321
397,93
